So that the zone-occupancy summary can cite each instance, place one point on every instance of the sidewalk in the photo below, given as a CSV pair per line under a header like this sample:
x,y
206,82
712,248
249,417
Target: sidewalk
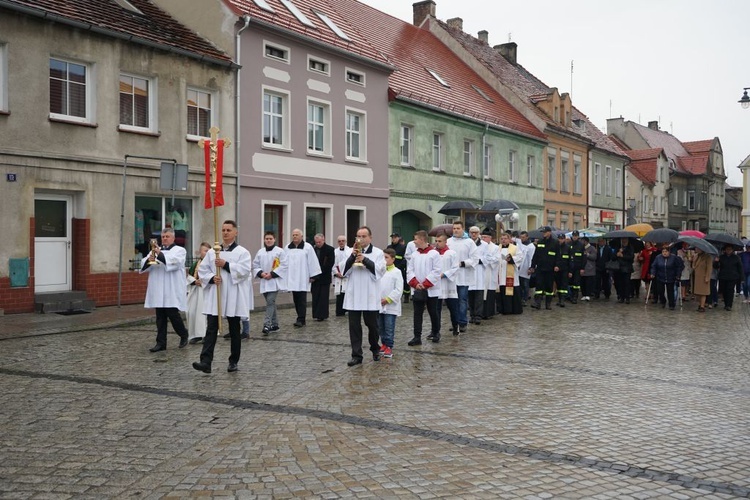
x,y
30,324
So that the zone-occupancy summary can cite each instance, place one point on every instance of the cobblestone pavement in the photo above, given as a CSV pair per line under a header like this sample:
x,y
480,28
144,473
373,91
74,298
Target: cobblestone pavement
x,y
598,400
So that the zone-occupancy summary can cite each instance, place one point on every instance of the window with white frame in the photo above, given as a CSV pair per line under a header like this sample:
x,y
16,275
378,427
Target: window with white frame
x,y
564,173
200,113
684,198
530,169
70,90
512,168
3,77
644,205
597,178
275,118
676,197
407,145
135,102
487,161
691,200
683,226
276,52
355,77
607,180
356,135
468,157
551,170
576,174
318,127
318,65
618,183
437,151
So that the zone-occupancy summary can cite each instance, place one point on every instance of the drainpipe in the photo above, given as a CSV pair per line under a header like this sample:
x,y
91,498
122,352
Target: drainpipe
x,y
484,159
237,158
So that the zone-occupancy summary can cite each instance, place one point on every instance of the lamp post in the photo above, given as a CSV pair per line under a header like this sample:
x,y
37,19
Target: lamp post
x,y
505,216
745,100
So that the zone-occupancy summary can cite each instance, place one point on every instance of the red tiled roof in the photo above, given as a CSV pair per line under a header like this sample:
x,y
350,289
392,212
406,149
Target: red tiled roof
x,y
644,170
673,148
592,132
623,147
413,51
695,147
644,154
695,165
281,17
154,25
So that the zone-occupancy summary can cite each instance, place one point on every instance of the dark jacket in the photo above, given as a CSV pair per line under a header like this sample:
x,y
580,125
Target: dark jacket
x,y
326,259
400,249
565,257
546,255
745,259
730,267
666,270
603,255
626,261
577,258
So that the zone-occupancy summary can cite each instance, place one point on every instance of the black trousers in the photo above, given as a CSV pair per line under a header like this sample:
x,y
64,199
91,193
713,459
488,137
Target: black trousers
x,y
321,297
431,304
355,331
726,287
587,285
300,305
209,342
476,305
544,282
662,295
622,285
171,314
603,284
561,280
575,280
340,311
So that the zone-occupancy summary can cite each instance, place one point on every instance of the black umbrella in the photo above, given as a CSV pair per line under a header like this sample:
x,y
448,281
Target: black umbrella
x,y
497,205
699,243
633,242
538,234
661,235
620,233
455,207
724,239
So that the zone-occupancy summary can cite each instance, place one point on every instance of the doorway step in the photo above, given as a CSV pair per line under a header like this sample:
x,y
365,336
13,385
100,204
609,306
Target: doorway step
x,y
56,302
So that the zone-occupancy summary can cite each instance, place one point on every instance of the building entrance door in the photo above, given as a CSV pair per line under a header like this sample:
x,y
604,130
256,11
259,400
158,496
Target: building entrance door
x,y
52,243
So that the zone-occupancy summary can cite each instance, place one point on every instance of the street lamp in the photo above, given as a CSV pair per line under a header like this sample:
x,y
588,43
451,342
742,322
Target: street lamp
x,y
745,100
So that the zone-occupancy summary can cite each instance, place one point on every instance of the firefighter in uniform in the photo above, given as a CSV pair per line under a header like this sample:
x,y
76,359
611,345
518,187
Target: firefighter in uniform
x,y
545,263
577,263
398,246
561,274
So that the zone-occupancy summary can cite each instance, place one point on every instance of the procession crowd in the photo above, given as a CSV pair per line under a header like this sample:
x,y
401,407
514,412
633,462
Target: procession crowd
x,y
473,274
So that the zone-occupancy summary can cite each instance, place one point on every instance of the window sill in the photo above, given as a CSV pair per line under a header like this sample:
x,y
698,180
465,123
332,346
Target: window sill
x,y
471,176
280,149
144,132
196,138
4,113
408,167
317,154
359,161
56,119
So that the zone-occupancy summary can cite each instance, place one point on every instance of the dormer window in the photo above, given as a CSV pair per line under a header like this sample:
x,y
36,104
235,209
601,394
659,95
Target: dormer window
x,y
128,6
264,5
297,13
327,20
481,92
355,77
438,78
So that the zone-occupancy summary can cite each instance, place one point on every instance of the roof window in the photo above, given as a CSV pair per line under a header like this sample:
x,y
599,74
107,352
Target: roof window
x,y
297,13
263,5
481,92
332,26
128,6
438,78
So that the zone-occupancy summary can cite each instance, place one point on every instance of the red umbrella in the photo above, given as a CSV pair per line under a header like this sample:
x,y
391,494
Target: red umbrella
x,y
693,232
442,228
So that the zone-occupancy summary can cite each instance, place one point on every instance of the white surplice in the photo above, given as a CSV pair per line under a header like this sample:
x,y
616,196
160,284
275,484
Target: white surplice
x,y
236,289
302,265
196,320
167,286
477,281
527,252
423,267
517,259
449,261
491,263
274,261
466,252
363,289
339,284
392,287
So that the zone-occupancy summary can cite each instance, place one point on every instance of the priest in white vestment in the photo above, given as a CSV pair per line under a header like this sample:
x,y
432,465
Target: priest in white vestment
x,y
303,265
509,294
195,318
231,272
341,252
167,288
270,267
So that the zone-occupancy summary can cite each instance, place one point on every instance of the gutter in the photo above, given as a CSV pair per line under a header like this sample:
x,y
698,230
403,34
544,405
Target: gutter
x,y
484,159
46,15
237,138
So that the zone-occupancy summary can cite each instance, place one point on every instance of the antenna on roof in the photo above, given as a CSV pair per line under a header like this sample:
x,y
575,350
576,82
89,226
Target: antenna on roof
x,y
671,130
510,36
571,79
610,108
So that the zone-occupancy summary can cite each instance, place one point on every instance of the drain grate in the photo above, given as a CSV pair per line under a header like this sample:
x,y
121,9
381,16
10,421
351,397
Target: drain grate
x,y
72,312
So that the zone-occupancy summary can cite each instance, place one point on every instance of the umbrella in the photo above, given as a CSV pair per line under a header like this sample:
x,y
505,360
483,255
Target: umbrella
x,y
661,235
725,239
621,233
699,244
455,207
497,205
693,233
633,242
590,232
442,228
639,229
538,234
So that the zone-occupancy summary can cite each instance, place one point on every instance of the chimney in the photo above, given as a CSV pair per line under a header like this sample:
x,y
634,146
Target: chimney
x,y
423,10
509,51
456,23
483,36
653,125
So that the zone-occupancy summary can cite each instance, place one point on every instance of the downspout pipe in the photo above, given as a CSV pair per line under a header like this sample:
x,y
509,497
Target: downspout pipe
x,y
237,139
484,159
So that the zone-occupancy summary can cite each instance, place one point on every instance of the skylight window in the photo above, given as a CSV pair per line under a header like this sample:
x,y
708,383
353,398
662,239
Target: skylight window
x,y
263,5
333,26
481,92
297,13
128,6
438,78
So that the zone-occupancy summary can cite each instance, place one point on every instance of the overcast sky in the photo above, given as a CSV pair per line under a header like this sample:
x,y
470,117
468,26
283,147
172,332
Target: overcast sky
x,y
681,62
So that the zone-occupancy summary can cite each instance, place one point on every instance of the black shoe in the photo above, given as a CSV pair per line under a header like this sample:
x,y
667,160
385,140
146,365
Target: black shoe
x,y
560,303
415,341
354,361
232,367
534,305
245,336
477,322
455,331
227,336
158,348
671,308
299,324
202,367
430,336
320,319
195,340
436,338
376,356
275,328
462,328
727,308
183,341
627,301
266,331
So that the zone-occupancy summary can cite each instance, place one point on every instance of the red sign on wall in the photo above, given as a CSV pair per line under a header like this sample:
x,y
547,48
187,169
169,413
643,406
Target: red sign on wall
x,y
608,216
